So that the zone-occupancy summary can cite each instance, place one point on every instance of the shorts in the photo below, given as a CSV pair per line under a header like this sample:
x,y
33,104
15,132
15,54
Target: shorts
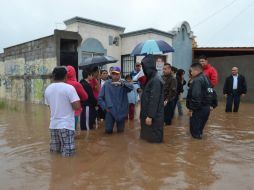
x,y
62,141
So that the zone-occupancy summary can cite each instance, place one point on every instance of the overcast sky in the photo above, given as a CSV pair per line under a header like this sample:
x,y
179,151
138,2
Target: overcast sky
x,y
214,22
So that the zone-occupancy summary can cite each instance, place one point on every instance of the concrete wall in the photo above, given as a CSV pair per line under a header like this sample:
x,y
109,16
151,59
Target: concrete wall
x,y
2,75
182,43
246,67
129,43
25,71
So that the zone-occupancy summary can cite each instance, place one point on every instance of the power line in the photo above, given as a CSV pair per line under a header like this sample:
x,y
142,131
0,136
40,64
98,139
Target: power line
x,y
214,14
232,20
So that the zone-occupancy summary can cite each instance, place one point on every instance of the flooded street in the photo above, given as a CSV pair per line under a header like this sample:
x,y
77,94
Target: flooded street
x,y
223,159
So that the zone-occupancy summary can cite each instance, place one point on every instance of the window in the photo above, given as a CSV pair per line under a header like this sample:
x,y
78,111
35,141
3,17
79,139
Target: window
x,y
128,63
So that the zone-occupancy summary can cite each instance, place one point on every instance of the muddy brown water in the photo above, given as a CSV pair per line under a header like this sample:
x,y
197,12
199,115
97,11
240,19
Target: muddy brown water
x,y
224,159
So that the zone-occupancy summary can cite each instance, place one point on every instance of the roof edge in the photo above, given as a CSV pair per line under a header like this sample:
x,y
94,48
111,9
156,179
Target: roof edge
x,y
22,43
146,31
93,22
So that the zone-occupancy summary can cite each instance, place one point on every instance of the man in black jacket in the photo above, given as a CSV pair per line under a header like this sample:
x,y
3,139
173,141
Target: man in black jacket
x,y
234,87
197,101
152,106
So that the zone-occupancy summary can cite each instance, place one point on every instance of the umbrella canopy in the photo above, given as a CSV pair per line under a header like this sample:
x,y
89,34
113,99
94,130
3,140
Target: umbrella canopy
x,y
152,47
97,61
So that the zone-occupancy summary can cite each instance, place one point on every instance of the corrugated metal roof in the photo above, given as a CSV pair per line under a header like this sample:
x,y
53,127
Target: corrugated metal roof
x,y
224,49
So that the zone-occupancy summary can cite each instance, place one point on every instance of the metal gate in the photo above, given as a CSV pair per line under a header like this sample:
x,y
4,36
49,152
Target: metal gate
x,y
127,64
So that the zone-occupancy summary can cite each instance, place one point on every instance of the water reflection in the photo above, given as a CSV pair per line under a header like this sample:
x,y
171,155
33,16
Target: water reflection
x,y
123,161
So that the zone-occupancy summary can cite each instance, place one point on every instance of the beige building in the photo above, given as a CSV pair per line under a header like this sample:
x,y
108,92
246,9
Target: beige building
x,y
100,38
25,68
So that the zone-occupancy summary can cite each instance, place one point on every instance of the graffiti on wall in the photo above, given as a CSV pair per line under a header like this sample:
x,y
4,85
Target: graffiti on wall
x,y
5,81
18,90
13,69
22,80
38,88
36,70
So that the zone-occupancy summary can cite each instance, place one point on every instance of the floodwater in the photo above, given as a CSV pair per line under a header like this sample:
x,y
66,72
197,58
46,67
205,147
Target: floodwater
x,y
223,159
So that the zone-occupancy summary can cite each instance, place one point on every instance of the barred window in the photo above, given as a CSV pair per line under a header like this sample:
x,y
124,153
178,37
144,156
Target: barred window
x,y
127,64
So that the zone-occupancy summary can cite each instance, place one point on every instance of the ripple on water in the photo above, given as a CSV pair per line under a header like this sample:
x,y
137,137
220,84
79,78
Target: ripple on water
x,y
177,181
215,126
31,150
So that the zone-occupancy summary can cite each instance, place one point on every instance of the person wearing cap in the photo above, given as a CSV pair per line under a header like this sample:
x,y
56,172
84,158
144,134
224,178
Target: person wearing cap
x,y
113,98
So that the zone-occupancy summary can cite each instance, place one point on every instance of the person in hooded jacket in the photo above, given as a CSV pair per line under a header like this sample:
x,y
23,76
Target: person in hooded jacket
x,y
72,80
152,103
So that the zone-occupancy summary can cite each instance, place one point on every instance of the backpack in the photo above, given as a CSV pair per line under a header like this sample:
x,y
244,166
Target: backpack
x,y
210,95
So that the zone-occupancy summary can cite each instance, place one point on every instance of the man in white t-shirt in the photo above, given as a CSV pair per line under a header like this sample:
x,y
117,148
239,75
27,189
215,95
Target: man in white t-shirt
x,y
62,100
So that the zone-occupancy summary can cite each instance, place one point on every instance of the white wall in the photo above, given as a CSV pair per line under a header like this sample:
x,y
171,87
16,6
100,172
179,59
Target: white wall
x,y
100,33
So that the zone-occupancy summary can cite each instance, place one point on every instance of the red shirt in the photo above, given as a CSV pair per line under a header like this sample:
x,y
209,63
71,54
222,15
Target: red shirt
x,y
211,73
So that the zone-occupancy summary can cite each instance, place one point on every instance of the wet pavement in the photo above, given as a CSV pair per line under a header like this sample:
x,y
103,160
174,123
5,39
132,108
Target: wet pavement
x,y
223,159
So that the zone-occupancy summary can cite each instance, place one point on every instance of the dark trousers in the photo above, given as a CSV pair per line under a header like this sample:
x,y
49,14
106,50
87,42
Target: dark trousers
x,y
131,111
234,97
110,121
101,113
87,118
198,121
169,109
175,103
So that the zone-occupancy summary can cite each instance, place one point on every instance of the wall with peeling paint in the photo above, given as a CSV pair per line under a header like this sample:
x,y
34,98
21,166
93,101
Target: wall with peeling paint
x,y
25,70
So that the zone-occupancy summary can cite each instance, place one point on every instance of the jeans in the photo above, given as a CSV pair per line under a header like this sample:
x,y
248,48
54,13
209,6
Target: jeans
x,y
110,121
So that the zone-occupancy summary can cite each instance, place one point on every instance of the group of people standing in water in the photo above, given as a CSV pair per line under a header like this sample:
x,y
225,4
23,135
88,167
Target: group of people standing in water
x,y
100,96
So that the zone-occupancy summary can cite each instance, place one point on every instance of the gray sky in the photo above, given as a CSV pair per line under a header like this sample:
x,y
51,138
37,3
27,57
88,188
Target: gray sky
x,y
220,22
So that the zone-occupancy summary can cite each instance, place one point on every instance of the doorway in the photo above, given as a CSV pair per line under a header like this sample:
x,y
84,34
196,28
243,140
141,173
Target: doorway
x,y
69,53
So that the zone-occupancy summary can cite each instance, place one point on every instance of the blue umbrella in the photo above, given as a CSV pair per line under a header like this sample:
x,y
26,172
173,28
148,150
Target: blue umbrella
x,y
152,47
